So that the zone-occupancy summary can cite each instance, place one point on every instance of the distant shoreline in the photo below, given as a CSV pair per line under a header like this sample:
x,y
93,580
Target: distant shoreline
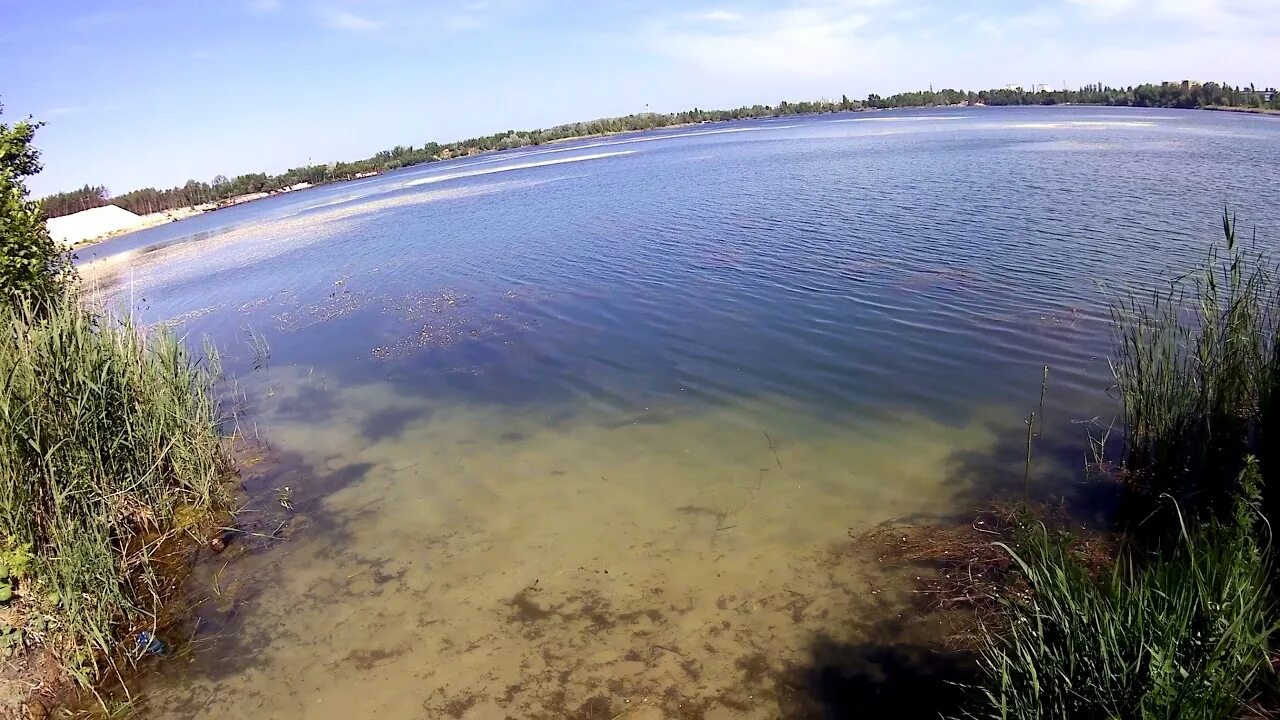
x,y
142,201
1247,110
165,217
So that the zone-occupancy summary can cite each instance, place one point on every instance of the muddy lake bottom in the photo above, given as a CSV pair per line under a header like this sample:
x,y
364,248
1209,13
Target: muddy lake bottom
x,y
479,564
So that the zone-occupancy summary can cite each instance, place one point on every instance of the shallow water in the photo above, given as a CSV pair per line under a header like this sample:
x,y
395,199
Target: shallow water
x,y
583,430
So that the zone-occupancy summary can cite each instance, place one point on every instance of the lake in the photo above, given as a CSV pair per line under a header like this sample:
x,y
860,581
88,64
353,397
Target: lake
x,y
585,429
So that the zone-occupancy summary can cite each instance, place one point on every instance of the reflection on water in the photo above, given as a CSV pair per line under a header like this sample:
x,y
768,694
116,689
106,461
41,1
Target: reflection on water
x,y
587,436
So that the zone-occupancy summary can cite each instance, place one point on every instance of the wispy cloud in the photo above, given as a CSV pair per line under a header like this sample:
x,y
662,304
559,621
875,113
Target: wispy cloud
x,y
719,15
471,15
350,22
801,40
1215,15
263,7
899,44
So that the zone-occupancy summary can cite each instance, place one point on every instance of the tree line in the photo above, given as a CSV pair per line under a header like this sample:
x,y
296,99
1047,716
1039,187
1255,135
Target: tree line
x,y
222,189
1185,94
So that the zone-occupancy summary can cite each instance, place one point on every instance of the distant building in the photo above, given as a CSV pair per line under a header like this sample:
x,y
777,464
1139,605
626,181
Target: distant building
x,y
1263,95
90,224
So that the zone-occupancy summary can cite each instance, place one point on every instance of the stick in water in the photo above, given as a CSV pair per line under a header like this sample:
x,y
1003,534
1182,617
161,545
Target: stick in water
x,y
772,450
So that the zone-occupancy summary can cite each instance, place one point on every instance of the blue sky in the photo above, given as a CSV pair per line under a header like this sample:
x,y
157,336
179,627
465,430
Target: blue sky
x,y
153,92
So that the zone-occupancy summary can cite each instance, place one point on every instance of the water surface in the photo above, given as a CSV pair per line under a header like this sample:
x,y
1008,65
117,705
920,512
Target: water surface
x,y
583,429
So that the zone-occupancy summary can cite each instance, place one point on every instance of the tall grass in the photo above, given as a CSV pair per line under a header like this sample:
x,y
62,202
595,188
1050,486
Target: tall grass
x,y
109,445
1196,365
1181,627
1183,634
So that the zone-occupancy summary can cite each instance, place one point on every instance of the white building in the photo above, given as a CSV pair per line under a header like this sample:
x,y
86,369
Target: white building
x,y
90,224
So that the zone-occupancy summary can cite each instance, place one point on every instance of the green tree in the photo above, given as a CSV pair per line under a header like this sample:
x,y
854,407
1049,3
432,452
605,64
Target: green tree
x,y
32,266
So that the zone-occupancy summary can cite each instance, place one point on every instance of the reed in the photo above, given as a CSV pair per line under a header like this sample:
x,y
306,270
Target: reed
x,y
110,445
1196,366
1180,626
1177,634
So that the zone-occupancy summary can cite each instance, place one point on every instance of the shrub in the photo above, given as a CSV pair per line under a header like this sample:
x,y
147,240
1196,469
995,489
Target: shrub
x,y
33,268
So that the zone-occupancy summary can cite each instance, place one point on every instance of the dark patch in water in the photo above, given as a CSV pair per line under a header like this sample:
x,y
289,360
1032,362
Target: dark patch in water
x,y
512,437
369,659
528,611
595,708
310,404
509,695
390,423
457,707
701,510
653,614
873,679
754,667
1057,477
223,613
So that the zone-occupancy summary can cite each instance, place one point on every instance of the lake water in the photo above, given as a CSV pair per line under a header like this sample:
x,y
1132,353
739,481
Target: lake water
x,y
583,430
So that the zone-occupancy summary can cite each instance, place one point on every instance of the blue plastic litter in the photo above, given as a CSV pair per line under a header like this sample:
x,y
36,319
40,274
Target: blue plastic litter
x,y
150,644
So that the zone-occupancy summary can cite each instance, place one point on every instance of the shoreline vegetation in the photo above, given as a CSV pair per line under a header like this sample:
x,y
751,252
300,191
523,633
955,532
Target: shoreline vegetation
x,y
114,466
198,196
1250,110
1166,608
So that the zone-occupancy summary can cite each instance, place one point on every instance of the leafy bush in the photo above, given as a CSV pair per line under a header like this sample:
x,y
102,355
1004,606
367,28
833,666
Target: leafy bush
x,y
32,266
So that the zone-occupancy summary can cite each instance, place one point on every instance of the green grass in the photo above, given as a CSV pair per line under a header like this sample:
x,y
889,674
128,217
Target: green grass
x,y
1182,634
1195,366
110,445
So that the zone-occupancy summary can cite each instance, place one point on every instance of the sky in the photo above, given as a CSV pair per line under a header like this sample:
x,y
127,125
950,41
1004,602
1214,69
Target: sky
x,y
153,92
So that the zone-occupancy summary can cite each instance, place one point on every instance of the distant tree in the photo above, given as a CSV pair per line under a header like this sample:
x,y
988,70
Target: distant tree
x,y
32,266
74,201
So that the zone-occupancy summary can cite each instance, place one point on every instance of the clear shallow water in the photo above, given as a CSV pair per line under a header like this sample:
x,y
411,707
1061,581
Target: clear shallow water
x,y
694,359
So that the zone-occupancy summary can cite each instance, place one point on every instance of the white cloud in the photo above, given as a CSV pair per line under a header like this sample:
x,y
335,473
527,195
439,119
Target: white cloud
x,y
825,47
349,21
472,15
802,40
1104,8
1202,15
